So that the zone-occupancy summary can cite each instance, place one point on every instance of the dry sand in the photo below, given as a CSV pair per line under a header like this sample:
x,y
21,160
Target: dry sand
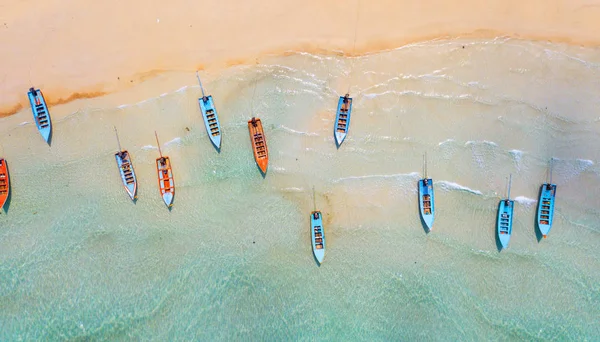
x,y
77,49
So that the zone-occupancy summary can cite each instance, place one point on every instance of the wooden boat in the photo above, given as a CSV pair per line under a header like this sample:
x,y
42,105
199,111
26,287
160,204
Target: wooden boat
x,y
545,209
126,170
316,233
41,115
426,204
166,184
342,119
211,120
259,144
505,218
4,182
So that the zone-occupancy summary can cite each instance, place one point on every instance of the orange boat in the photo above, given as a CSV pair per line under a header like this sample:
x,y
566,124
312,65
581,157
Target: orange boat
x,y
259,144
166,185
4,182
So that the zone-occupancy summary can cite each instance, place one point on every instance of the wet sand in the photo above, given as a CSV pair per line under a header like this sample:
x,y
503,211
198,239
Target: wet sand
x,y
76,50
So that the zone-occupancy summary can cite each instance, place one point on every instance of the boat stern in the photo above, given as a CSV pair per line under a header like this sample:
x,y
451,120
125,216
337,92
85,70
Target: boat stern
x,y
319,255
339,138
168,199
504,239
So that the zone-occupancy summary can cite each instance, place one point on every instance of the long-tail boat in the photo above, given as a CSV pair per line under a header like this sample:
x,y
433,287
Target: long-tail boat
x,y
316,232
4,182
342,119
545,209
505,218
41,115
426,204
259,144
166,184
126,170
209,113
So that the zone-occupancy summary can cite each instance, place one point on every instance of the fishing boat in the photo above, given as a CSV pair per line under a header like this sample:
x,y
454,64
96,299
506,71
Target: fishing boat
x,y
505,218
316,232
259,144
426,206
4,182
41,115
209,113
545,210
342,119
166,185
126,170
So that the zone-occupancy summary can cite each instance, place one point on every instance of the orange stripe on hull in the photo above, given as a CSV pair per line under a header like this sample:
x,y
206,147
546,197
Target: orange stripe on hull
x,y
259,144
165,176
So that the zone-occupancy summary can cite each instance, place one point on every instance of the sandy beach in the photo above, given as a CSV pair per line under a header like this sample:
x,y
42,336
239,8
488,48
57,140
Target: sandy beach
x,y
73,49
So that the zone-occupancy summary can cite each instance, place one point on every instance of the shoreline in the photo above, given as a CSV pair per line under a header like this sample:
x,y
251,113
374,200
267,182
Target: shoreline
x,y
77,51
61,95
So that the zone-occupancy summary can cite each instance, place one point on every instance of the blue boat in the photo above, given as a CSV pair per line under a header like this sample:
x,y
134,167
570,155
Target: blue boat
x,y
505,218
41,115
545,210
126,170
426,198
316,233
342,119
211,120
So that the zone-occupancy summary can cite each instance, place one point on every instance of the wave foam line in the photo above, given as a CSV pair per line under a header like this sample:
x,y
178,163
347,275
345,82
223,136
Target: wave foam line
x,y
290,130
450,186
481,142
526,201
414,175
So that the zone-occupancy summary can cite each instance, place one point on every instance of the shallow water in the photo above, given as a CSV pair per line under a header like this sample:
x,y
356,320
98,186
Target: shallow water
x,y
232,260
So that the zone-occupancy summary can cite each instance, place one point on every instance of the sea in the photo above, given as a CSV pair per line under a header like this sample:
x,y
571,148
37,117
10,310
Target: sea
x,y
232,259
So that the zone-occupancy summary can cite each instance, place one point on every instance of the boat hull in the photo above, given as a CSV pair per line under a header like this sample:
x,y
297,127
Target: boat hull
x,y
211,120
317,235
545,210
166,183
41,115
259,144
504,222
342,120
127,173
4,183
426,202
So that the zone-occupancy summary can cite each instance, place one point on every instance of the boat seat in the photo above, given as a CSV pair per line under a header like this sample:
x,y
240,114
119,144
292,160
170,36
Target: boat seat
x,y
319,246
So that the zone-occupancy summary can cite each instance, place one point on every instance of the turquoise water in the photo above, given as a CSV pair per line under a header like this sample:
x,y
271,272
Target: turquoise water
x,y
232,260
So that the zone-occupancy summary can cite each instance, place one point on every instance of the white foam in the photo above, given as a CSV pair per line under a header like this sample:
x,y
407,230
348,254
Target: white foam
x,y
24,123
176,140
123,106
449,186
586,162
481,142
298,132
149,147
182,89
414,175
292,189
446,142
526,201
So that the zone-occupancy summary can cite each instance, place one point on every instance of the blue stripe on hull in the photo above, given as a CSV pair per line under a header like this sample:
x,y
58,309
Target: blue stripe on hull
x,y
342,121
504,222
129,179
426,202
211,120
545,210
41,115
317,235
